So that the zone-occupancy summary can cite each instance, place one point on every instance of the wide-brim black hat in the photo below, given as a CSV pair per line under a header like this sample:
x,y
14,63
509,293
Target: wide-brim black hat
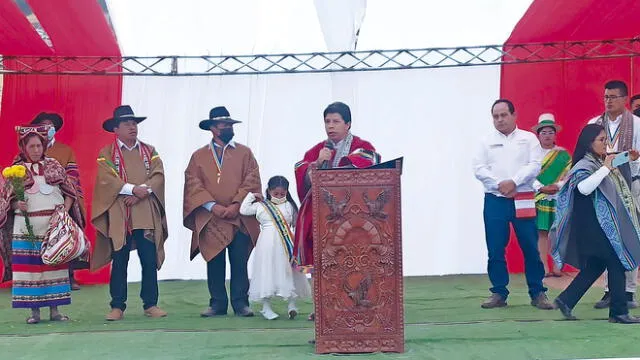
x,y
217,114
55,119
121,113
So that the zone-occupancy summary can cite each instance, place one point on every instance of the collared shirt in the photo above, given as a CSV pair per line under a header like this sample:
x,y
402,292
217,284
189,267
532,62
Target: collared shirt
x,y
508,157
123,145
221,156
613,128
127,189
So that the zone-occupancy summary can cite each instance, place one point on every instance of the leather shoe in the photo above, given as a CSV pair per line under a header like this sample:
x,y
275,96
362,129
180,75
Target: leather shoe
x,y
494,301
115,315
564,309
542,302
245,312
604,302
155,312
209,312
624,319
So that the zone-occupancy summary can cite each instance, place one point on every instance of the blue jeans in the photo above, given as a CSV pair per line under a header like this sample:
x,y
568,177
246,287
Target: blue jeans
x,y
499,212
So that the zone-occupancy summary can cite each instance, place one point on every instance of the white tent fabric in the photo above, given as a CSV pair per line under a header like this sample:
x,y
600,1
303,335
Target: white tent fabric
x,y
340,21
432,117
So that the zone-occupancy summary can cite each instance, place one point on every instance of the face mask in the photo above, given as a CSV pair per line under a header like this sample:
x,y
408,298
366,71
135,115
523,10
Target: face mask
x,y
51,133
278,201
226,135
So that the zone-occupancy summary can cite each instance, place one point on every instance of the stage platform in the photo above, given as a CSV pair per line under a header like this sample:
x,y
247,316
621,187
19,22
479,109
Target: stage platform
x,y
443,321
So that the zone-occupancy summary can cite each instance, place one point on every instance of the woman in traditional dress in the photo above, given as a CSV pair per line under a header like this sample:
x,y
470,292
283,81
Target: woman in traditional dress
x,y
36,285
556,162
597,225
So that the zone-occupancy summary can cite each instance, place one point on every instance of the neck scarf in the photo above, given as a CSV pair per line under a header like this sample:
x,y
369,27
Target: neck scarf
x,y
342,149
623,137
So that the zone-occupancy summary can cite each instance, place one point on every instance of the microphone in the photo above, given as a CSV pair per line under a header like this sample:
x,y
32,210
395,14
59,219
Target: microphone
x,y
325,164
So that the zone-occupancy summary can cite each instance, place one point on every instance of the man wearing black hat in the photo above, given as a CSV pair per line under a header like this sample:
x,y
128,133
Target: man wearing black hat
x,y
67,158
217,179
128,212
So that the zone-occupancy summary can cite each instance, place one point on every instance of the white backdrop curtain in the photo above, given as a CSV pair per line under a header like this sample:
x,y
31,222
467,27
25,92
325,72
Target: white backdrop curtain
x,y
431,117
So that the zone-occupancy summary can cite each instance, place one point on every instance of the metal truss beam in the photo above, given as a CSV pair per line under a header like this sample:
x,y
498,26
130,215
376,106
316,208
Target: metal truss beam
x,y
321,62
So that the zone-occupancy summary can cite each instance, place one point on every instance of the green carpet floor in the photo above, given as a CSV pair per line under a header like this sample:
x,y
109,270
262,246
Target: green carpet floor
x,y
443,321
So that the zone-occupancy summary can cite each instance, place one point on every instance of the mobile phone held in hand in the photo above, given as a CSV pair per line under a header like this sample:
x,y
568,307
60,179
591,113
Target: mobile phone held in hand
x,y
620,159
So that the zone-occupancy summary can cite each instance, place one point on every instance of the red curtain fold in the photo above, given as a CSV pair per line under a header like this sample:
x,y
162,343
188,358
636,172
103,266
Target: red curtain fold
x,y
76,27
17,36
572,90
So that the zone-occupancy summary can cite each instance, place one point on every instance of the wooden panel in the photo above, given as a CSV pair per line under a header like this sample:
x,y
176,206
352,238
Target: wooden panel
x,y
358,287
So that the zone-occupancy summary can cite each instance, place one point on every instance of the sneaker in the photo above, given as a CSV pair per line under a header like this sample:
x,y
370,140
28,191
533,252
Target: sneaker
x,y
494,301
292,309
269,314
604,302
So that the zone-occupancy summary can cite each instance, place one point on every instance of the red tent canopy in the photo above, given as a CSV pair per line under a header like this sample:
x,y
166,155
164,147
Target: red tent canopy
x,y
572,90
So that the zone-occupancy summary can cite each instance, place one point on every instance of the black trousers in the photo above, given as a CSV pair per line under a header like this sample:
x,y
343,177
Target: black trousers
x,y
148,261
593,266
216,273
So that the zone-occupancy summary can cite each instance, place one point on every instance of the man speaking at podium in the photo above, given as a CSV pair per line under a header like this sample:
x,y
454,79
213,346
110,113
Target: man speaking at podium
x,y
341,149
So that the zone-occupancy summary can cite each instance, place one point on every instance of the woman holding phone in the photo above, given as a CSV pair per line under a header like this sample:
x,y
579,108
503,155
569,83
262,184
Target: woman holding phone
x,y
597,224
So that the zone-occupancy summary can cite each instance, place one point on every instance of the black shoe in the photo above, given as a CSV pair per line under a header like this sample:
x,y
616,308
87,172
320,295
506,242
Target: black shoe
x,y
209,312
564,309
245,312
624,319
604,302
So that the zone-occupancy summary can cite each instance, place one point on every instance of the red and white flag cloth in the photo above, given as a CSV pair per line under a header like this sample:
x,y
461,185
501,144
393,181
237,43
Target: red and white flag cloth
x,y
525,205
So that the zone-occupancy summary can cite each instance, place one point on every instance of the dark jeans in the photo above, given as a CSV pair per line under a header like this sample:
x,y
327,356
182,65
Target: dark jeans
x,y
593,266
216,273
499,212
148,261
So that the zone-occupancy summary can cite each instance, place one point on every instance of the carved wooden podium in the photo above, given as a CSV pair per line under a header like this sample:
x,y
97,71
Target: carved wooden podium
x,y
357,244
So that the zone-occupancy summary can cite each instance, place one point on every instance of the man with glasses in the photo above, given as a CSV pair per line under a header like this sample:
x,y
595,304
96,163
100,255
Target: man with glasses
x,y
623,134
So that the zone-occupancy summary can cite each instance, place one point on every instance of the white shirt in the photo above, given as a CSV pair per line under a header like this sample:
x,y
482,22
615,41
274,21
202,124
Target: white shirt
x,y
127,189
613,127
588,185
508,157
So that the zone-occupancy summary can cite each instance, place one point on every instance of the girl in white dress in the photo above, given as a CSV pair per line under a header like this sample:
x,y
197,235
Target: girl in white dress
x,y
272,273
